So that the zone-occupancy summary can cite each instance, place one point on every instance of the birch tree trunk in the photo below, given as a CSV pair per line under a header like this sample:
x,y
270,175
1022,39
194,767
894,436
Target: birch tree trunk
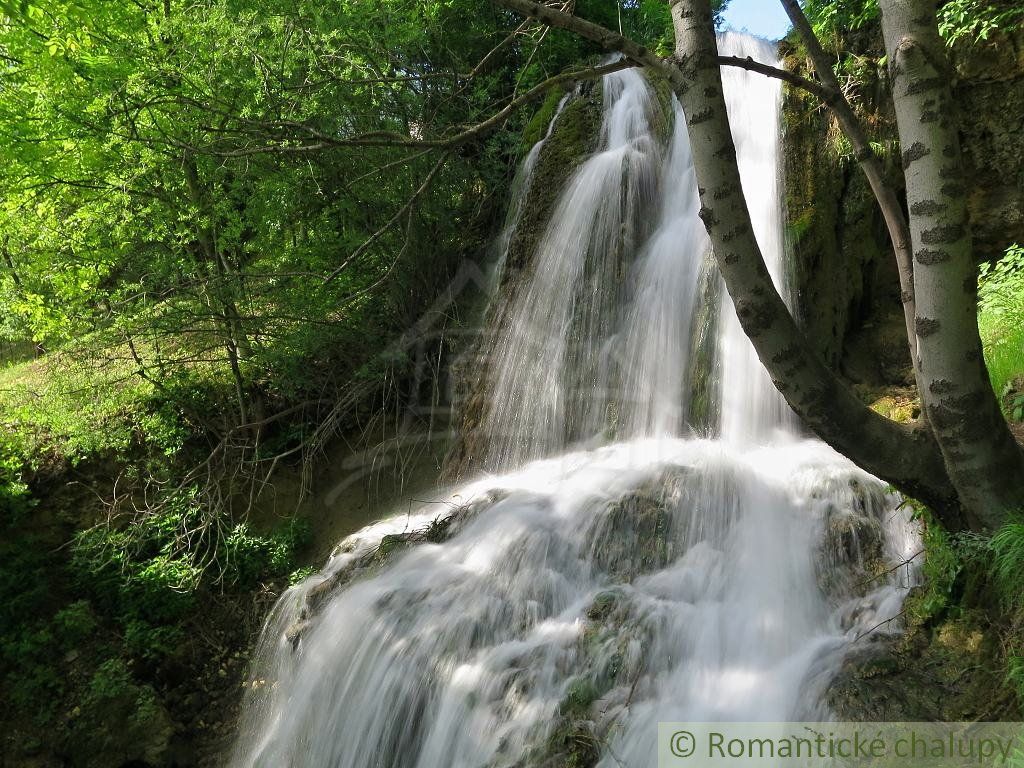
x,y
984,461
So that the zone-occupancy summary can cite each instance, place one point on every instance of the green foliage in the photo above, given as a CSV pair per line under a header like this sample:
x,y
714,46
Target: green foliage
x,y
971,20
1007,564
940,568
158,224
301,574
15,498
947,557
75,623
976,20
114,696
1015,677
152,642
541,119
112,680
248,558
830,18
57,406
29,639
1016,407
1001,323
152,569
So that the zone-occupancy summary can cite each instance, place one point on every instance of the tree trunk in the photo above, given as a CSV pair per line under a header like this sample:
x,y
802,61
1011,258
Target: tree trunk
x,y
984,461
236,342
906,457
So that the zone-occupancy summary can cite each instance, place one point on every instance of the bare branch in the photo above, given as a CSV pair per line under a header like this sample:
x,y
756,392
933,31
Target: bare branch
x,y
322,141
792,78
391,222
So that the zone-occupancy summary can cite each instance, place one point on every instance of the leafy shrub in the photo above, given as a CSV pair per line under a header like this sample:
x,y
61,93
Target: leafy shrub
x,y
248,558
1006,568
147,641
75,622
941,565
1007,564
15,499
950,560
132,573
976,20
827,17
1001,319
973,20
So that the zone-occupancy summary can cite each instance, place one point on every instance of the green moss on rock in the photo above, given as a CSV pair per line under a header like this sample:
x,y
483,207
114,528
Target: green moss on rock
x,y
635,535
947,672
538,125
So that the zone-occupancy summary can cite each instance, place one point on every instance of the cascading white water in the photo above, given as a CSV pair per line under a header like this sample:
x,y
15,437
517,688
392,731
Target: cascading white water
x,y
520,189
655,338
752,409
566,605
562,316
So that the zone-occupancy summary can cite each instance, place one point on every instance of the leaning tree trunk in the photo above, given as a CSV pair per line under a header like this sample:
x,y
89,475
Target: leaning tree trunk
x,y
984,462
906,457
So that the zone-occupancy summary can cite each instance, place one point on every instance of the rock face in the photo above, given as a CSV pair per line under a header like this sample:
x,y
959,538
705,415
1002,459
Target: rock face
x,y
638,532
950,671
844,272
990,91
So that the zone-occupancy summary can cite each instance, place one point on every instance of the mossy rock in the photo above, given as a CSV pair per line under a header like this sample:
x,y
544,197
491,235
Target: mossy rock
x,y
948,672
538,125
603,605
850,557
903,410
603,685
572,140
663,118
636,534
705,405
437,531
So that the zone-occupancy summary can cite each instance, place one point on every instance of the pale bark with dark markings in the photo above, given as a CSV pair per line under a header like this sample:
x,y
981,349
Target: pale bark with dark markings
x,y
906,456
983,460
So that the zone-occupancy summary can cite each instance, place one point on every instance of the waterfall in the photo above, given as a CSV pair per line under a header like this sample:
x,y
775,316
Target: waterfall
x,y
520,189
561,317
751,408
614,569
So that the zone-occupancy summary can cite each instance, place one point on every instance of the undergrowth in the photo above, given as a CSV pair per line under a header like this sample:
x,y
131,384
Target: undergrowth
x,y
962,568
1001,322
1007,575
